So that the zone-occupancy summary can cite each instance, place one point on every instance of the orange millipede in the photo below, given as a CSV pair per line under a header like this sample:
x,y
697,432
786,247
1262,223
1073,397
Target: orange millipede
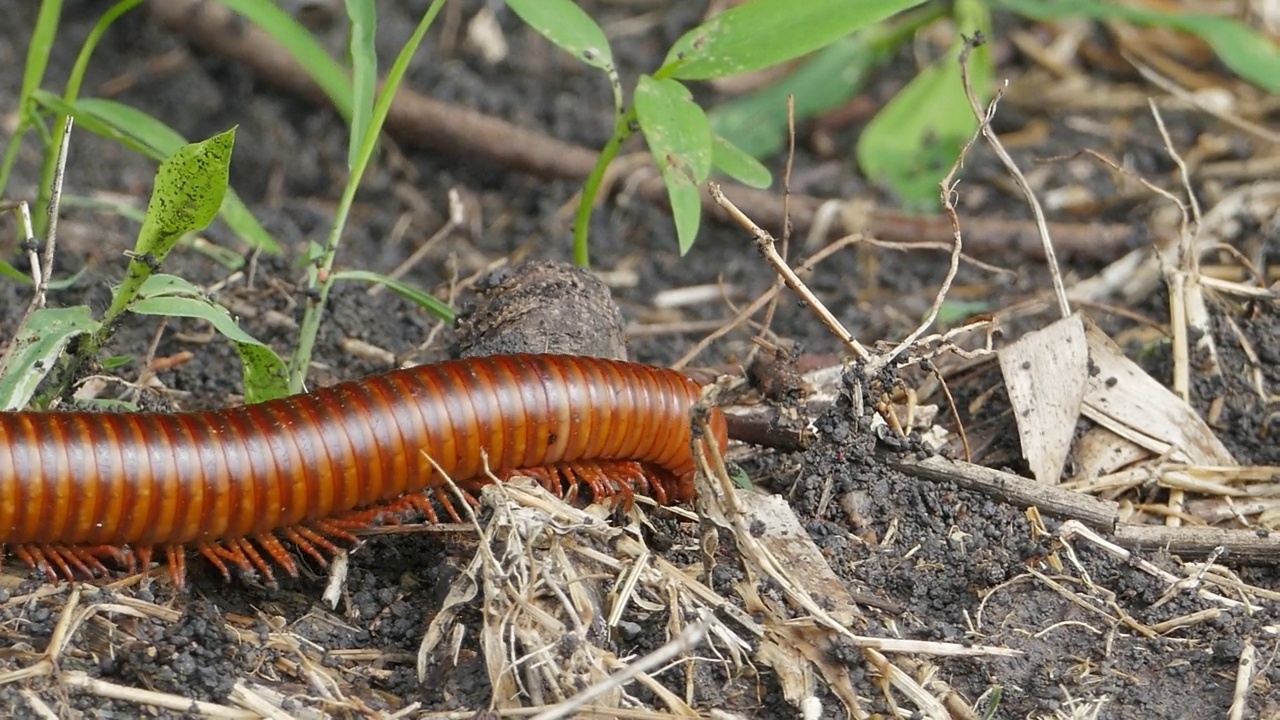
x,y
77,488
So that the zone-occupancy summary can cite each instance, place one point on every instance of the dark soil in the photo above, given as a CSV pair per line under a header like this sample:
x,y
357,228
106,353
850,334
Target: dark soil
x,y
953,562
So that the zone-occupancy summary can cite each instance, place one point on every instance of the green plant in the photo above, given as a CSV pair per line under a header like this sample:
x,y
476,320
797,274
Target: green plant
x,y
1248,53
749,37
368,116
912,142
190,189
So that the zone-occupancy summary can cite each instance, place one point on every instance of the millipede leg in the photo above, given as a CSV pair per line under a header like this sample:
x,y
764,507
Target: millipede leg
x,y
306,541
34,557
333,528
90,555
177,561
69,562
246,549
144,557
270,543
211,551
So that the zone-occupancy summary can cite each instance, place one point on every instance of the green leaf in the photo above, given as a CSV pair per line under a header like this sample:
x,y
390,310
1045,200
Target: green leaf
x,y
188,191
41,47
305,49
12,273
569,27
737,164
763,33
911,144
301,359
423,299
679,138
757,123
144,134
36,350
364,76
115,362
1250,54
9,271
152,135
165,285
953,312
381,107
265,375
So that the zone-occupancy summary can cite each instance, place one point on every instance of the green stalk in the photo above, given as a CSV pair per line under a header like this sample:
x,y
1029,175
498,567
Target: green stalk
x,y
42,37
622,131
74,82
323,271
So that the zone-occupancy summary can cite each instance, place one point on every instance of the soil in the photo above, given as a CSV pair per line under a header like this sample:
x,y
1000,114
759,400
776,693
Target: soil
x,y
949,564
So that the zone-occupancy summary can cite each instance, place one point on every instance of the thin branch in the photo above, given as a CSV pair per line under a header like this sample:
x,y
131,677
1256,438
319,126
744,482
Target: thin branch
x,y
765,243
1059,287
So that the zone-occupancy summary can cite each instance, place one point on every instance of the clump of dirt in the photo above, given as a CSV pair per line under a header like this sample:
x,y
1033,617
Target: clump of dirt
x,y
541,307
195,656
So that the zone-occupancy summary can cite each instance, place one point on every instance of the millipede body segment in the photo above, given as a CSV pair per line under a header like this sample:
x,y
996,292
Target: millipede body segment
x,y
78,487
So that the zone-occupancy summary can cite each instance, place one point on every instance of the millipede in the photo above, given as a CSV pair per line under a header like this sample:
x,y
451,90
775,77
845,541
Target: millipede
x,y
78,488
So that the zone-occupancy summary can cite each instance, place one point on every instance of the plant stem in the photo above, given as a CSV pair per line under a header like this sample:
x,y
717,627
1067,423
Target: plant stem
x,y
323,273
74,81
11,154
622,131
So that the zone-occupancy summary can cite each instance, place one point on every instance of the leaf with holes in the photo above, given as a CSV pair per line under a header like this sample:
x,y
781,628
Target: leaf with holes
x,y
679,138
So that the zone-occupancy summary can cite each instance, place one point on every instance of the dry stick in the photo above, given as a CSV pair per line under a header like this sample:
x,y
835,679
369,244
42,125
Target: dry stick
x,y
764,298
1155,78
81,681
1017,490
422,122
786,214
765,243
1051,259
679,645
947,189
1246,668
43,269
1186,298
55,199
1244,546
457,219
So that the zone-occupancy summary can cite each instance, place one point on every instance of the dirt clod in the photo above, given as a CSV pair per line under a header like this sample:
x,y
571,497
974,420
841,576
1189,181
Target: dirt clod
x,y
542,307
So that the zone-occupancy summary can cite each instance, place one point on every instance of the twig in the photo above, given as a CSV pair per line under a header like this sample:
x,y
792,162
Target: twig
x,y
1246,669
1015,489
55,200
947,189
42,268
763,299
1155,78
1051,259
81,681
1246,546
765,243
679,645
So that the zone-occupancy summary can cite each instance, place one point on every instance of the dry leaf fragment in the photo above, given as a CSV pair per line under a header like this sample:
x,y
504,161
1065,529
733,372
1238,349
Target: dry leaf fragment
x,y
1045,373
